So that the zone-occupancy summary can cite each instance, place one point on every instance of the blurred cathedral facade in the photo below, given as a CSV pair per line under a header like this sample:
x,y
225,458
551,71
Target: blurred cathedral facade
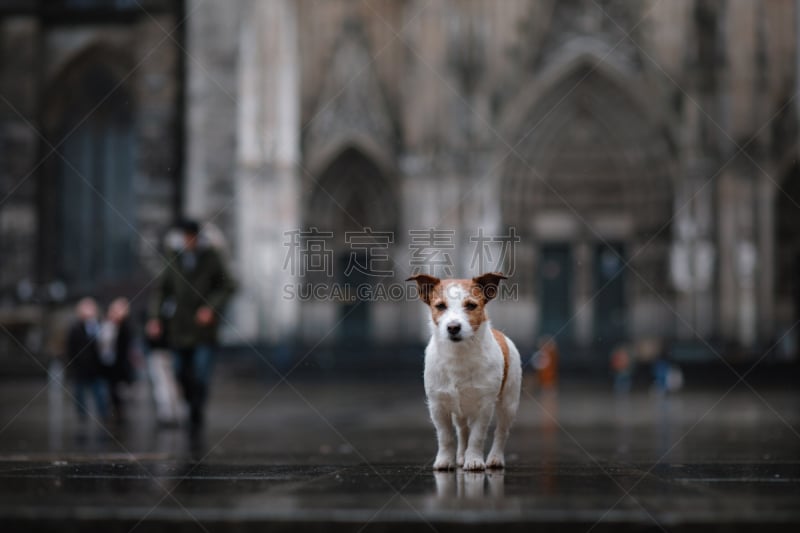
x,y
642,154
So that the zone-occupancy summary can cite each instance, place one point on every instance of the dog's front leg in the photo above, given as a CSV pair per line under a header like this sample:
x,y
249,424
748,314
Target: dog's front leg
x,y
473,458
442,420
463,437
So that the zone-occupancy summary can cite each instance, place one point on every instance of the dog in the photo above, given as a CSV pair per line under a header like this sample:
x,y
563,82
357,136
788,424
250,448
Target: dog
x,y
471,371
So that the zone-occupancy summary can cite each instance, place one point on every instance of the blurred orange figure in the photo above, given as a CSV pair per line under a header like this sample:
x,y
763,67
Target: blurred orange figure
x,y
546,363
622,368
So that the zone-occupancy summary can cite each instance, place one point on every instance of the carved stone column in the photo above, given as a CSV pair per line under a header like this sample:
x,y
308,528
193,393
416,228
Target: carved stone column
x,y
583,306
766,243
211,104
693,260
268,145
18,213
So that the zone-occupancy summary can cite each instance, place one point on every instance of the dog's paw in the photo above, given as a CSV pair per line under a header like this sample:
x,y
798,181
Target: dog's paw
x,y
474,464
460,460
444,463
495,460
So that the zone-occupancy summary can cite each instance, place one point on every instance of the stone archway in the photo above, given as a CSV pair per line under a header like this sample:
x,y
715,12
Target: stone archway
x,y
594,190
88,205
354,203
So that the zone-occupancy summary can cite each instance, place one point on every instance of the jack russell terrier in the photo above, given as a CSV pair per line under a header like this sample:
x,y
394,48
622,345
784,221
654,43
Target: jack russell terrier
x,y
471,371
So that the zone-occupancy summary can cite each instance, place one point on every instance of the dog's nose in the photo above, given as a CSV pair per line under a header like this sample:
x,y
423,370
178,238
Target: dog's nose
x,y
453,328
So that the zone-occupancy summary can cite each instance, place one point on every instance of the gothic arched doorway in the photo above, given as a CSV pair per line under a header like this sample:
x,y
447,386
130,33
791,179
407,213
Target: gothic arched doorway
x,y
591,191
89,204
353,202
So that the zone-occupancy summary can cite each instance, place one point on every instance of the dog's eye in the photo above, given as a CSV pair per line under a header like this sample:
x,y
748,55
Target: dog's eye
x,y
441,306
471,306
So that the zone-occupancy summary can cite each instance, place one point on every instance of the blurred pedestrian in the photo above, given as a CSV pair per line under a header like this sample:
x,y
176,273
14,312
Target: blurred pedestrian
x,y
674,378
160,370
667,376
660,374
83,360
195,286
115,343
622,367
545,361
160,365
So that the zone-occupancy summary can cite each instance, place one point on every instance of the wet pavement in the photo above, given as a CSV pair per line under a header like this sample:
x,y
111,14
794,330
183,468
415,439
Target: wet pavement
x,y
343,455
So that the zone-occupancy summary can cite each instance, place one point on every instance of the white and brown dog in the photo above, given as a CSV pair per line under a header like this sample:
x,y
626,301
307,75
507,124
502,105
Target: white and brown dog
x,y
471,371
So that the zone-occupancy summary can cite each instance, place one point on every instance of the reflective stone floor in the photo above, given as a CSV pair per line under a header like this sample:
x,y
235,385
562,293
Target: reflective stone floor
x,y
333,455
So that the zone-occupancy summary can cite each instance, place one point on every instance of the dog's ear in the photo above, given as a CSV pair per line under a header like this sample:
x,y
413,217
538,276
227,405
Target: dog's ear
x,y
425,284
486,284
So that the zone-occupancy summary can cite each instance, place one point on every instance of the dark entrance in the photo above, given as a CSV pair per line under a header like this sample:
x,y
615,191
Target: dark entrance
x,y
354,324
90,195
787,247
555,283
355,203
609,301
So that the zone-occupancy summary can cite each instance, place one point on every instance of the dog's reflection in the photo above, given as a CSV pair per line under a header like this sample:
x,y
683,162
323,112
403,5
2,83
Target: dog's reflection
x,y
469,485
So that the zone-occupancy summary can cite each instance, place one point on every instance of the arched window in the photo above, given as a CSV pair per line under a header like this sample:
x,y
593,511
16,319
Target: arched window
x,y
93,199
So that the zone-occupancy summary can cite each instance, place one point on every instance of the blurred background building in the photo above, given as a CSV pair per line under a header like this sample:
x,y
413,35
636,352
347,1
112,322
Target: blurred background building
x,y
644,153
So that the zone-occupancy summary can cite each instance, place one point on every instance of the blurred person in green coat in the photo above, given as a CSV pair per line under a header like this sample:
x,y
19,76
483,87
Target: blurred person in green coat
x,y
186,306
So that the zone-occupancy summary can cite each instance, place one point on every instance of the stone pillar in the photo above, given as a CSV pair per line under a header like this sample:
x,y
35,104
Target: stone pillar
x,y
423,208
19,85
268,151
212,30
20,59
766,242
741,261
157,168
707,72
694,254
583,304
728,293
747,261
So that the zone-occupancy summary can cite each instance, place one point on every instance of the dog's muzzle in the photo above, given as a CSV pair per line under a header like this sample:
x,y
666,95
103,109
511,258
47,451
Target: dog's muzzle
x,y
454,331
